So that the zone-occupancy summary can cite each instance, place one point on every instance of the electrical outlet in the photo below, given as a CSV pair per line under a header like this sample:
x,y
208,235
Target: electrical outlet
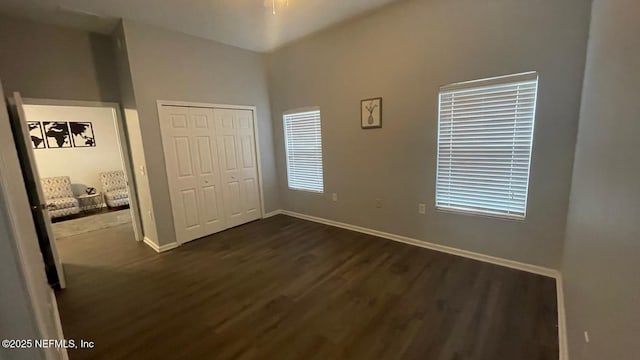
x,y
378,203
334,196
422,209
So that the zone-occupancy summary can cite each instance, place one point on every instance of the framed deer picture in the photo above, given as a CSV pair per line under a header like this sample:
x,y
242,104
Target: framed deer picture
x,y
371,113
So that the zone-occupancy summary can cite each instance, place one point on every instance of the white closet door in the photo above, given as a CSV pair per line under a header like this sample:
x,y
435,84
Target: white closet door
x,y
236,144
191,156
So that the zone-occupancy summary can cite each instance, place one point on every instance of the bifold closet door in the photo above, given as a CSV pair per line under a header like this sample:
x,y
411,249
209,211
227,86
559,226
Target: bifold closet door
x,y
191,157
236,146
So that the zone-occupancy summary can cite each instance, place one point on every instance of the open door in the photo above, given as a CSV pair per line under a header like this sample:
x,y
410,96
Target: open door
x,y
41,218
127,161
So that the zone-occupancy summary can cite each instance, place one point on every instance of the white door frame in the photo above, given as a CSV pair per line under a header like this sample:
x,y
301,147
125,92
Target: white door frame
x,y
125,153
256,133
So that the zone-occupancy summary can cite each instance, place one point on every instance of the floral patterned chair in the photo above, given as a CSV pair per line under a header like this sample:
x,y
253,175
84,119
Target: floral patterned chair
x,y
59,197
114,185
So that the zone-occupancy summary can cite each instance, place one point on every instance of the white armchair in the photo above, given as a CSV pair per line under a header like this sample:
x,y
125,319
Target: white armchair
x,y
114,186
59,197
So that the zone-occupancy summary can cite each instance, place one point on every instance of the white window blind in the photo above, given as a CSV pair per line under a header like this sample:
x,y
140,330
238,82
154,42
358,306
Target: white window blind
x,y
485,133
303,142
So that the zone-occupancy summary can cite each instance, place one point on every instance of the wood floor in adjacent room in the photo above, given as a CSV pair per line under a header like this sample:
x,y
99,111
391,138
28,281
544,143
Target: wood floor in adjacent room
x,y
284,288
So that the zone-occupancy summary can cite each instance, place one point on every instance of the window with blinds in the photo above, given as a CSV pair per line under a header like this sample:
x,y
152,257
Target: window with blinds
x,y
303,144
485,135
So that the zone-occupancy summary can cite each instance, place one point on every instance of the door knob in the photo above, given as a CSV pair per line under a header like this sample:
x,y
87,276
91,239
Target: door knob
x,y
43,206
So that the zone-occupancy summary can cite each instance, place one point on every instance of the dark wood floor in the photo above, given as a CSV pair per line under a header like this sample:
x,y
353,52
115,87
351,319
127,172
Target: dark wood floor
x,y
285,288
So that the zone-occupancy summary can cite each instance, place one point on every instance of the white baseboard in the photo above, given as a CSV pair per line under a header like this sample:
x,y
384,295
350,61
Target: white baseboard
x,y
160,248
272,214
539,270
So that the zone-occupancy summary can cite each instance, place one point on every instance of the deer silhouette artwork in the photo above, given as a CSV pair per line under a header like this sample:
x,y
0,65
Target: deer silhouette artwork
x,y
370,108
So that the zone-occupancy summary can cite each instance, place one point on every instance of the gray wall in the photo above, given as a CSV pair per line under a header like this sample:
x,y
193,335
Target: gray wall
x,y
167,65
123,68
46,61
134,135
602,252
403,53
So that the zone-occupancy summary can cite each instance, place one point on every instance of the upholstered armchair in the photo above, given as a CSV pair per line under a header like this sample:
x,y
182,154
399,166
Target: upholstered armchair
x,y
114,186
59,197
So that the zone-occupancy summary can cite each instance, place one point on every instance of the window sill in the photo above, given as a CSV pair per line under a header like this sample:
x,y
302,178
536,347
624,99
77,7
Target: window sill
x,y
306,191
519,219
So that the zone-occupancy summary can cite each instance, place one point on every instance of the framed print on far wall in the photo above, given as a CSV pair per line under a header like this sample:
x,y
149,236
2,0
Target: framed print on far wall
x,y
371,113
82,134
57,134
36,135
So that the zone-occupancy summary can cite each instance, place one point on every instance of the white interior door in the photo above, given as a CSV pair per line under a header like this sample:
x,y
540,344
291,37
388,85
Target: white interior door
x,y
127,160
191,156
39,208
236,144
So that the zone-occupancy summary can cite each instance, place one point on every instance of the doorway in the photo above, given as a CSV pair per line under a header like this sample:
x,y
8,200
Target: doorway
x,y
77,157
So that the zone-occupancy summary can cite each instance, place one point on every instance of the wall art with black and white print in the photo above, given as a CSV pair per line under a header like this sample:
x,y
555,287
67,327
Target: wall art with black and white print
x,y
82,134
57,134
36,135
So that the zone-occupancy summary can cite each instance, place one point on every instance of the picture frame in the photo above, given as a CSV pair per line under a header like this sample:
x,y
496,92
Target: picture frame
x,y
82,134
371,113
36,135
57,134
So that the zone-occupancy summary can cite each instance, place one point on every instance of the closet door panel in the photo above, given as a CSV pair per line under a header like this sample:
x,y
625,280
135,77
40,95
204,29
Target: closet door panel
x,y
252,197
248,171
181,172
212,214
204,137
191,212
230,155
240,180
225,131
191,156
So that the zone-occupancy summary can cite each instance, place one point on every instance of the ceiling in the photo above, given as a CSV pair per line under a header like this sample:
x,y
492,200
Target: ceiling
x,y
248,24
